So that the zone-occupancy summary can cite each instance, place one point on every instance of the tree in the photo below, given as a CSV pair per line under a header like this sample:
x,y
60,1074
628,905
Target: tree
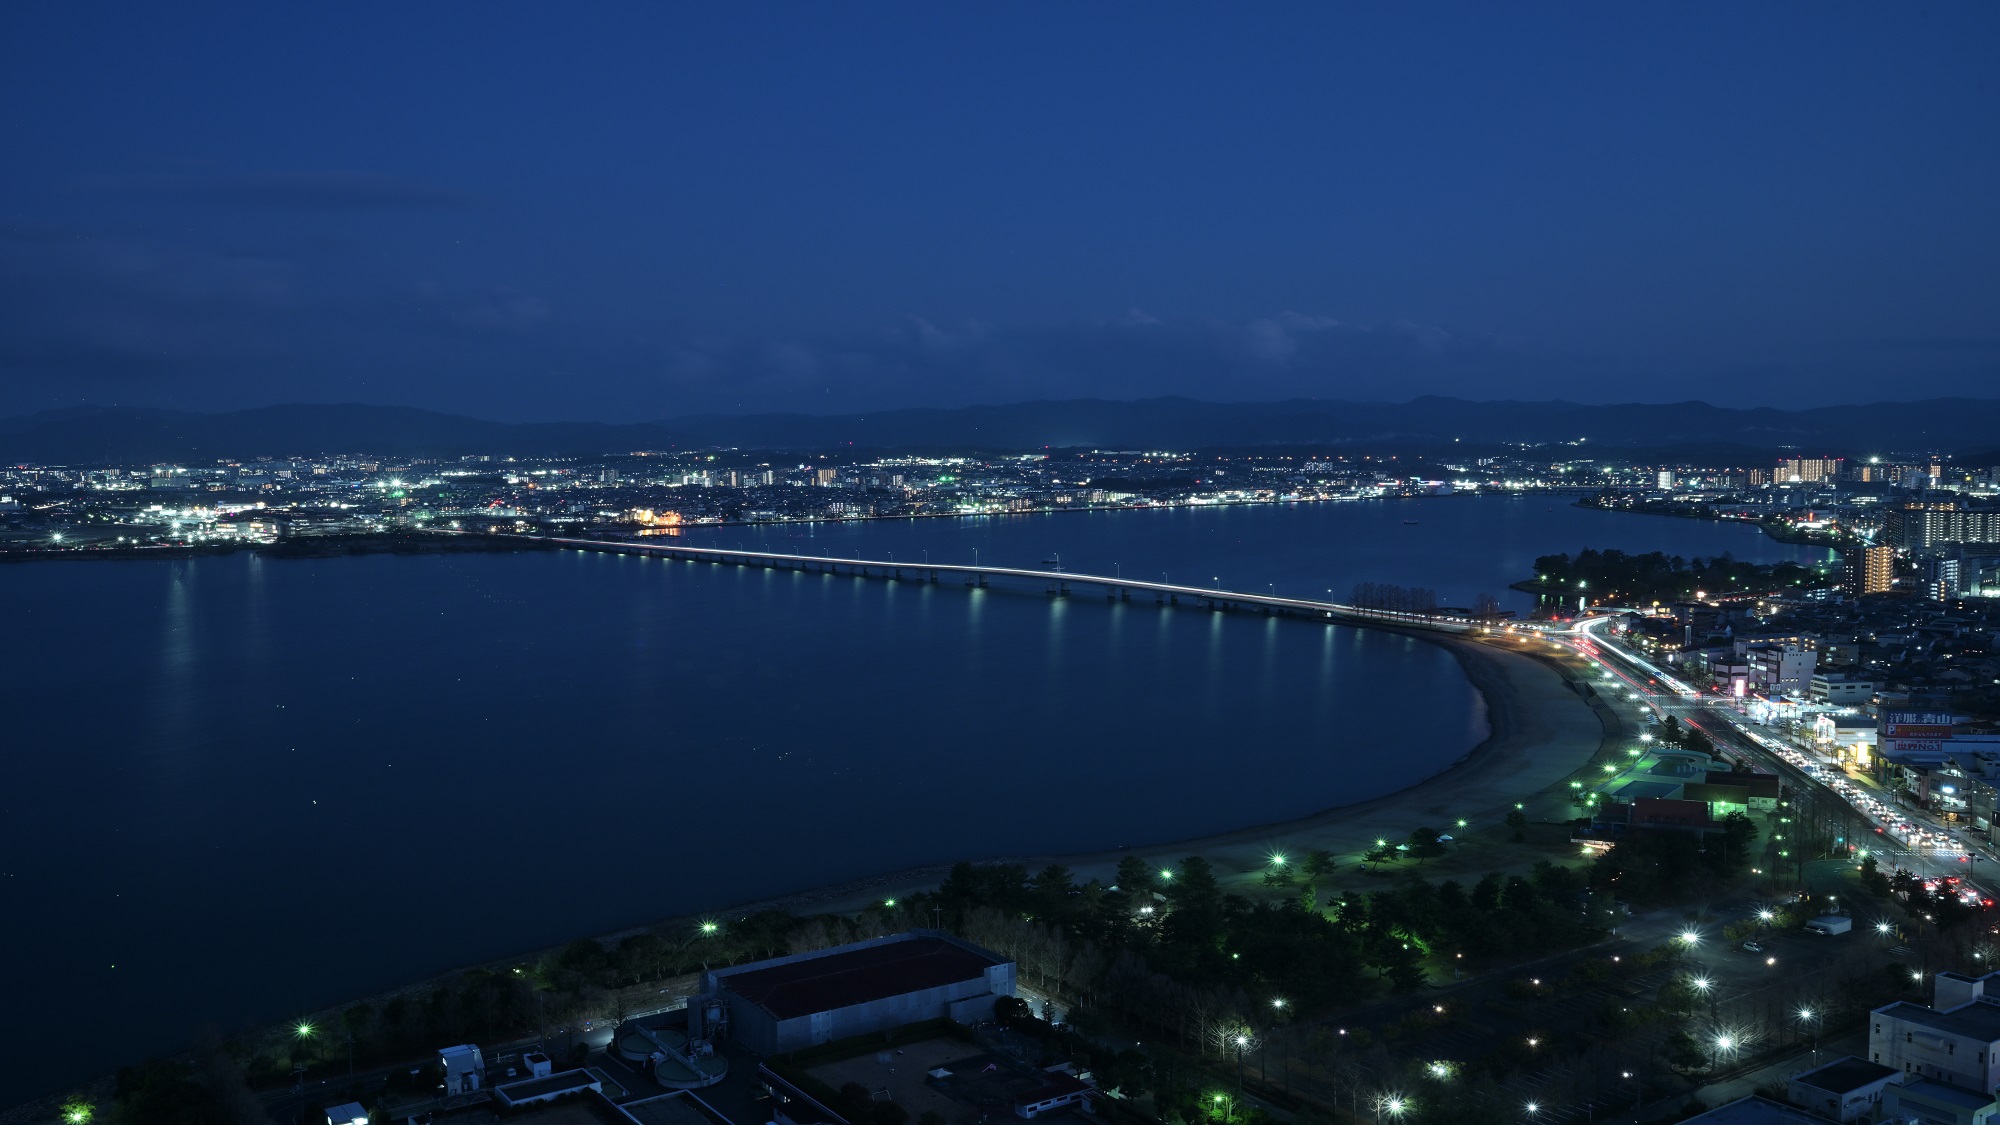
x,y
1678,997
1424,844
1401,963
1518,821
1318,864
1872,879
1682,1052
1135,875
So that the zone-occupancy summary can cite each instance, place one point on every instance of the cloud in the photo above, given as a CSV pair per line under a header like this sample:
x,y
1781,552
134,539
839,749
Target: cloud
x,y
919,361
289,191
501,309
113,312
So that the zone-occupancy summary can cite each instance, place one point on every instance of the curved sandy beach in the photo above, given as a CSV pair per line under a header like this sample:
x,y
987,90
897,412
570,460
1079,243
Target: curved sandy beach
x,y
1540,734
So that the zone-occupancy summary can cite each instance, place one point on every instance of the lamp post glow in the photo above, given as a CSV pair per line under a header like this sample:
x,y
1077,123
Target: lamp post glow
x,y
708,929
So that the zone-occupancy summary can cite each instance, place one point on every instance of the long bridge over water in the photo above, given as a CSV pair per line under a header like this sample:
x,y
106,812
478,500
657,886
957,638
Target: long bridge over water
x,y
1055,582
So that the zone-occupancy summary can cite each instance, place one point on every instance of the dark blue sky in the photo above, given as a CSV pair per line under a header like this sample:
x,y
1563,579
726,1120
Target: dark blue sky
x,y
635,211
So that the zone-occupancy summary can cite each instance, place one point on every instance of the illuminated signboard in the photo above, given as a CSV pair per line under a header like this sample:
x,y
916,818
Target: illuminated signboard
x,y
1916,726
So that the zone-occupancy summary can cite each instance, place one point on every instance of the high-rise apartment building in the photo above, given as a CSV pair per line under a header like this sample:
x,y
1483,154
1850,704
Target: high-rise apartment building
x,y
1870,570
1944,577
1812,470
1920,526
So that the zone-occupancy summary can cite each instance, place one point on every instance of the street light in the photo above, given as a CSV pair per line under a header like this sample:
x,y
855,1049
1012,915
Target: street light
x,y
708,928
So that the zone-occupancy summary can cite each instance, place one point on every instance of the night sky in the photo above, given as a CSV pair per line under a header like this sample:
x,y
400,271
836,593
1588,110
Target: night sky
x,y
637,211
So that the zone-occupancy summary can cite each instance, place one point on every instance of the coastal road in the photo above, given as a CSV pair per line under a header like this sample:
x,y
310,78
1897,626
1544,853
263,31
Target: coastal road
x,y
1896,836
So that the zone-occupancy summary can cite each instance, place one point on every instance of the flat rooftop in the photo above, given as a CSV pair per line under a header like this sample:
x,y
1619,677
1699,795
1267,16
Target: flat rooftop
x,y
1843,1075
1754,1110
559,1082
591,1109
1938,1092
1974,1020
673,1109
858,976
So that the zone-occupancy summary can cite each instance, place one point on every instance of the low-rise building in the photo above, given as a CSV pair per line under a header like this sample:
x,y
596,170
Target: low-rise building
x,y
1841,688
1932,1103
1755,1110
788,1003
1955,1042
1846,1089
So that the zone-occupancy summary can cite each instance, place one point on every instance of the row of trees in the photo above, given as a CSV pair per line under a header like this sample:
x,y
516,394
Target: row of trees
x,y
1402,599
1166,948
1657,576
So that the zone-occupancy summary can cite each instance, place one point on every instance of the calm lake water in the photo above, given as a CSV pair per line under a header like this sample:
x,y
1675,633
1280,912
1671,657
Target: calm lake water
x,y
240,788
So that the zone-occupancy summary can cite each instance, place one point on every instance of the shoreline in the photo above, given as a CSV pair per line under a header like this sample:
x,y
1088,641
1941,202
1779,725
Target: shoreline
x,y
1539,733
1795,539
1525,754
503,540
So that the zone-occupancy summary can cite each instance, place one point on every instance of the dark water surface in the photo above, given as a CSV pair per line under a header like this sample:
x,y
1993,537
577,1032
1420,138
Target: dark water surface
x,y
1458,546
239,788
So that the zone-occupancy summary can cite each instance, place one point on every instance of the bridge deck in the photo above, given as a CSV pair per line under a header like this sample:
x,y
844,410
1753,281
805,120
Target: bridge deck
x,y
1115,583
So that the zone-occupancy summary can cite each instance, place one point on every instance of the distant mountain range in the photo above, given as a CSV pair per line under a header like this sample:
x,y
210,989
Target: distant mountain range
x,y
131,435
